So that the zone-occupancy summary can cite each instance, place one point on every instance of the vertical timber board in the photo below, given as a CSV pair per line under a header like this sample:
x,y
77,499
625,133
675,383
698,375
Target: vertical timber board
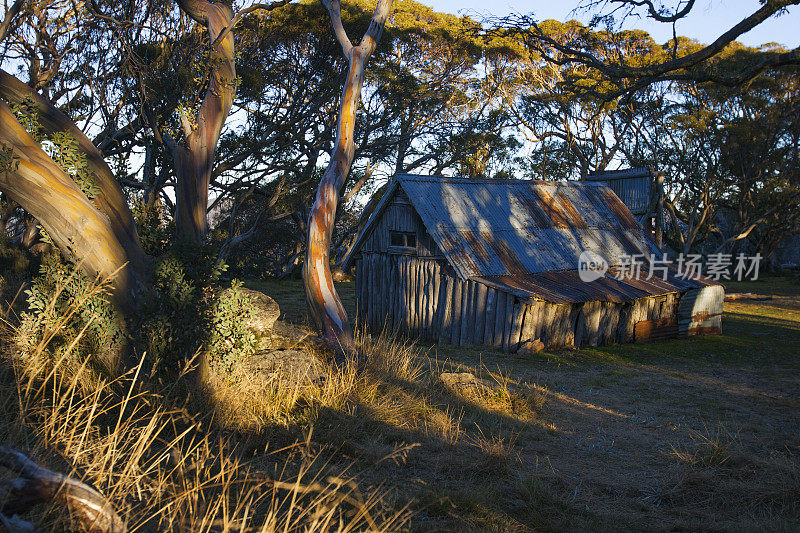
x,y
376,293
581,329
529,328
389,282
379,287
466,312
607,325
499,318
374,289
593,315
395,293
421,299
420,292
362,304
480,314
424,294
458,289
433,291
569,326
516,327
367,287
386,282
365,291
509,322
359,281
561,314
401,295
408,295
488,329
538,319
415,294
473,311
428,298
447,313
436,319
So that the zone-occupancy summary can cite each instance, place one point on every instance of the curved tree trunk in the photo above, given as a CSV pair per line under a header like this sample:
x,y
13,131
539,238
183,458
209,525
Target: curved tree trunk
x,y
324,304
193,162
110,201
75,224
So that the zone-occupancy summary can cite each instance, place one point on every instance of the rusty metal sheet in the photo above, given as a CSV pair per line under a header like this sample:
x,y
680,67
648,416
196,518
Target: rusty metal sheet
x,y
655,330
509,227
700,311
566,286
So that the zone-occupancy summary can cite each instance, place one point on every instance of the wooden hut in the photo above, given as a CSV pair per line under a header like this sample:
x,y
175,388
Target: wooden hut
x,y
495,262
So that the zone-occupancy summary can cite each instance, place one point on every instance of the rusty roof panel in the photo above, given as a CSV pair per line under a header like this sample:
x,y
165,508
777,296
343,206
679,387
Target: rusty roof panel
x,y
510,227
566,286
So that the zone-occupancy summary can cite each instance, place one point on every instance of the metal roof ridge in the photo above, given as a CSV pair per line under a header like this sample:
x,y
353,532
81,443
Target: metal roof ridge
x,y
489,181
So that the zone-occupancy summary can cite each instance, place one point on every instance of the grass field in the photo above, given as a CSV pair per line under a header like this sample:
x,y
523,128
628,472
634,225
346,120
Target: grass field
x,y
690,434
700,433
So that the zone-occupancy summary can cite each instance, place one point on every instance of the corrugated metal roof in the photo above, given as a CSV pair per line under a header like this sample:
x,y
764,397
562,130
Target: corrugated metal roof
x,y
634,186
636,172
526,237
511,227
565,286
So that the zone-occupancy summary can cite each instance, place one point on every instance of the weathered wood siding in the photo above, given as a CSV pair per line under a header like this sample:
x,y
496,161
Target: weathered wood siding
x,y
399,293
399,216
592,323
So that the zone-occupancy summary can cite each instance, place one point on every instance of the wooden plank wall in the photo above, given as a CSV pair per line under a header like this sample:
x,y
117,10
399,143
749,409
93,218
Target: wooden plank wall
x,y
423,299
592,323
399,293
399,216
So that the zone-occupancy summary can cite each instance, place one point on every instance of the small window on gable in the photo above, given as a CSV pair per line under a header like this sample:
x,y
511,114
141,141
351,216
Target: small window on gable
x,y
403,241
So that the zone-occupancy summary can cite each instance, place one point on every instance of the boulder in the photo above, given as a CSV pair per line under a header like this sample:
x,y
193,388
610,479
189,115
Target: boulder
x,y
266,312
530,347
287,368
284,336
463,382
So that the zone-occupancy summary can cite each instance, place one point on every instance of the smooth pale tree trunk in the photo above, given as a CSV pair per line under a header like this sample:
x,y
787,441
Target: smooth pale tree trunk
x,y
324,304
110,201
74,223
194,160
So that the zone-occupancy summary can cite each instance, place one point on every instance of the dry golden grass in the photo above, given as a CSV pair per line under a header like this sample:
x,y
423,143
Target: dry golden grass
x,y
695,434
166,467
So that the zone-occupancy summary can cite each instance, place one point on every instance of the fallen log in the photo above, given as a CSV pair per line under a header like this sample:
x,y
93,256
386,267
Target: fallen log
x,y
37,484
746,296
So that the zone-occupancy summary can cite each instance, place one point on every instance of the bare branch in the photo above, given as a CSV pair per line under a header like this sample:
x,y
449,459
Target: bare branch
x,y
12,12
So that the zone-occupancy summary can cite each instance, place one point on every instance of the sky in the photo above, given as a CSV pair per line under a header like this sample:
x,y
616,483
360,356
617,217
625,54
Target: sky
x,y
707,20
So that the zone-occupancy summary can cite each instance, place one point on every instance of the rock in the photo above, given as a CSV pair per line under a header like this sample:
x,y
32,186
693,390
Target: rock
x,y
463,382
530,347
284,336
287,368
266,312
